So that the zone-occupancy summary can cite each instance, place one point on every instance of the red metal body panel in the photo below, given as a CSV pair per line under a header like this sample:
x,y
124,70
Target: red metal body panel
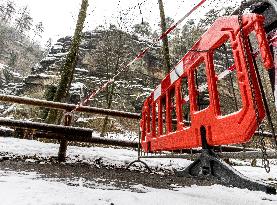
x,y
156,126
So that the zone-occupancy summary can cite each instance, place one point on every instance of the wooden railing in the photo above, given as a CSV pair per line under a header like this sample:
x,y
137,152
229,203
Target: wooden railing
x,y
65,132
78,134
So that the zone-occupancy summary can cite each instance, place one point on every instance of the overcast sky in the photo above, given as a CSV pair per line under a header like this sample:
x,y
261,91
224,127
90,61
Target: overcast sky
x,y
59,16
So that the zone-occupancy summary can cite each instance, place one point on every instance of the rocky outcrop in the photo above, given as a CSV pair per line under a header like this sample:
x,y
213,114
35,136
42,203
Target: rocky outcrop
x,y
130,88
11,82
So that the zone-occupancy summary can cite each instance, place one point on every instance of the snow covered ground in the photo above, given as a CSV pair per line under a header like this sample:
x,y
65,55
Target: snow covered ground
x,y
22,188
26,189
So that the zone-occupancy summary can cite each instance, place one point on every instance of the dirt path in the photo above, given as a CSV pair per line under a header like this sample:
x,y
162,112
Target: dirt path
x,y
120,178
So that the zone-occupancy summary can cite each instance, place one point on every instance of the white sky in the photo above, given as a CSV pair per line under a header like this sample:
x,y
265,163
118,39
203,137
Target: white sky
x,y
59,16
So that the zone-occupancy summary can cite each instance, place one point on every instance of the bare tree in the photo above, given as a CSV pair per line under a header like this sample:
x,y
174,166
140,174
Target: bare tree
x,y
165,39
108,57
68,68
24,21
7,11
39,29
143,29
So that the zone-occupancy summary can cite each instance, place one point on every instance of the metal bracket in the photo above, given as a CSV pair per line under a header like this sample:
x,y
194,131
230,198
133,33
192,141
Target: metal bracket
x,y
210,166
138,160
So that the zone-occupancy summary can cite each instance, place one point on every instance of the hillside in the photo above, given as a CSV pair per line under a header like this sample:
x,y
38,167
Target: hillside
x,y
100,56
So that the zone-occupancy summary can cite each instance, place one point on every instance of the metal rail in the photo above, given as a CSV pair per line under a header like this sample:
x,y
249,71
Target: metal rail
x,y
227,155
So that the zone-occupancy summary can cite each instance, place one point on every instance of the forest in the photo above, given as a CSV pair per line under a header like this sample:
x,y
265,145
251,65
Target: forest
x,y
137,109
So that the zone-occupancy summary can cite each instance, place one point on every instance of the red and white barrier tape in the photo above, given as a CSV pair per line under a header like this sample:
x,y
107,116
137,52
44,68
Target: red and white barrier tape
x,y
139,56
273,40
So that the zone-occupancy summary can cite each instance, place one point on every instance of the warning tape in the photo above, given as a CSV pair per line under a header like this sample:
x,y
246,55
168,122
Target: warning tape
x,y
273,40
139,56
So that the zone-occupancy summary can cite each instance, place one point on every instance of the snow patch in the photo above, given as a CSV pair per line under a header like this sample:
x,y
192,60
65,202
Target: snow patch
x,y
27,188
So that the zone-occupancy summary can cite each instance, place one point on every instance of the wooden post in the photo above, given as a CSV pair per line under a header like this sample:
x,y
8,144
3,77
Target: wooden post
x,y
63,142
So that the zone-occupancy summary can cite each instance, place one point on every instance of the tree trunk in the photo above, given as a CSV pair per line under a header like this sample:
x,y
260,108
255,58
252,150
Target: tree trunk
x,y
106,119
110,92
165,39
68,68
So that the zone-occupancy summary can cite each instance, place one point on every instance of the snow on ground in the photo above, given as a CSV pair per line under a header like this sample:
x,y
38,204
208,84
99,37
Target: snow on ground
x,y
111,156
126,135
27,189
108,156
22,188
